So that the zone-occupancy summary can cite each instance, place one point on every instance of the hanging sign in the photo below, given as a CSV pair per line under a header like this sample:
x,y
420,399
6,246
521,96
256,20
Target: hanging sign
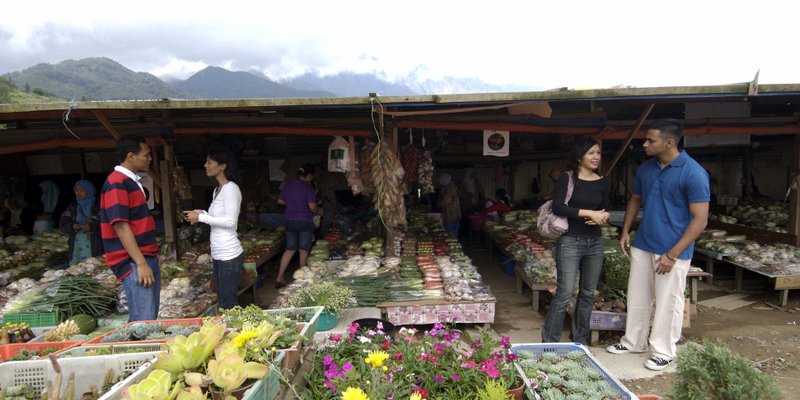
x,y
495,143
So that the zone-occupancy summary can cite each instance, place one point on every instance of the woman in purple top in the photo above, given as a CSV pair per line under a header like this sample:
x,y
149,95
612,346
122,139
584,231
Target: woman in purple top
x,y
300,200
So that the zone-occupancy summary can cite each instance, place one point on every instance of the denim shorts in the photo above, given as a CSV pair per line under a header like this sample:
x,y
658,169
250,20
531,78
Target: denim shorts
x,y
299,235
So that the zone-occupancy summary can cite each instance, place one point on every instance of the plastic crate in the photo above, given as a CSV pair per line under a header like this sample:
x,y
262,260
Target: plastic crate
x,y
292,357
34,320
562,349
607,321
266,388
89,371
8,351
81,351
167,322
312,317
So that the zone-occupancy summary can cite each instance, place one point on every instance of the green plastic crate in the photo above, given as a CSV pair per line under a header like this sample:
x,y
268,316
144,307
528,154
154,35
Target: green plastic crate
x,y
34,320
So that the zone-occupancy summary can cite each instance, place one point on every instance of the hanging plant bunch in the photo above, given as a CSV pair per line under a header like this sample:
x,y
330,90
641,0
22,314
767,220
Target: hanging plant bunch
x,y
409,156
388,175
366,166
182,186
426,173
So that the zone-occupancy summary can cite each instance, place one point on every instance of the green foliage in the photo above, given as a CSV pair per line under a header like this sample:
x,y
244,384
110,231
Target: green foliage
x,y
711,371
493,389
6,87
94,79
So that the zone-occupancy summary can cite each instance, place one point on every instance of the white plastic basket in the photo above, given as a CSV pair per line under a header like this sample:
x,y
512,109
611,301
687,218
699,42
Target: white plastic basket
x,y
265,389
145,348
89,371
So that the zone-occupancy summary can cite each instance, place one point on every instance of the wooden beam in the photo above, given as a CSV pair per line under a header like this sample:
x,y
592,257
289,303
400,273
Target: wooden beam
x,y
103,120
633,131
272,130
54,143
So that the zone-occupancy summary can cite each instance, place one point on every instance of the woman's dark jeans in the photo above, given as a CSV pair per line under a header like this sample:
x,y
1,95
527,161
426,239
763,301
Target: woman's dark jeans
x,y
573,255
226,277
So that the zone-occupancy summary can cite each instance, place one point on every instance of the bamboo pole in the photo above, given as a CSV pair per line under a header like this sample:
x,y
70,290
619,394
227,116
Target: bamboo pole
x,y
633,131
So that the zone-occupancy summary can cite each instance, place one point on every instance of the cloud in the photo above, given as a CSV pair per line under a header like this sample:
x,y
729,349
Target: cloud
x,y
574,44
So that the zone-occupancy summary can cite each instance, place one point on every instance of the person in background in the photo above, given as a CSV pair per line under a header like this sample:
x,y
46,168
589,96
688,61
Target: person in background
x,y
300,199
129,231
11,217
450,204
50,195
81,221
674,191
579,251
470,192
223,216
499,206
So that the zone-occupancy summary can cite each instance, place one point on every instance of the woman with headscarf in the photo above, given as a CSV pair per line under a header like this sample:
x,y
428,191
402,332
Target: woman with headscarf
x,y
81,222
450,204
49,199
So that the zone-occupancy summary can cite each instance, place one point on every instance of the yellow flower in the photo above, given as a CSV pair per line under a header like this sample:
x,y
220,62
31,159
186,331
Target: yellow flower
x,y
385,368
415,396
354,394
376,358
244,337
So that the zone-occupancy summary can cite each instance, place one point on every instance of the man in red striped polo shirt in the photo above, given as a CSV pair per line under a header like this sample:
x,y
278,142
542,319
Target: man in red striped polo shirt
x,y
128,230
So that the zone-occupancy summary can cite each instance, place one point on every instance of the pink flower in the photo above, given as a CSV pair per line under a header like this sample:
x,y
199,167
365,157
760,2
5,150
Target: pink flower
x,y
336,337
330,386
380,325
469,364
456,377
347,367
438,348
505,342
438,378
353,329
327,361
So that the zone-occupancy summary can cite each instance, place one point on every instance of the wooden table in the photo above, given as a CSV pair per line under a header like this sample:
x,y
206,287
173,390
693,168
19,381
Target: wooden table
x,y
536,288
783,283
253,266
694,277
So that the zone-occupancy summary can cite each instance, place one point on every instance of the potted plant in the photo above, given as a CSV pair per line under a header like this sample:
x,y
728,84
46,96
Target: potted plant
x,y
330,295
440,363
210,363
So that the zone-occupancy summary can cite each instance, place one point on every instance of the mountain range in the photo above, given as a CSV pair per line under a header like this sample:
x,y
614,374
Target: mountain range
x,y
102,78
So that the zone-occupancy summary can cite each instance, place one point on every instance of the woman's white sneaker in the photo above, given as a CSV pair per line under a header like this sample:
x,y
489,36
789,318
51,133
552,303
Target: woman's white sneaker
x,y
657,363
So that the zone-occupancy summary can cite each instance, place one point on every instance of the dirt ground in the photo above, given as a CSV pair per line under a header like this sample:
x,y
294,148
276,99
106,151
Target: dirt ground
x,y
764,333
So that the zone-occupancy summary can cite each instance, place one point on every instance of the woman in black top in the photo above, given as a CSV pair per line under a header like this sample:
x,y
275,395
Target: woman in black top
x,y
580,249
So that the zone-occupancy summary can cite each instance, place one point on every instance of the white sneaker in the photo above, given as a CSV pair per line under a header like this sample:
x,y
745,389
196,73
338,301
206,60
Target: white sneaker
x,y
657,363
617,348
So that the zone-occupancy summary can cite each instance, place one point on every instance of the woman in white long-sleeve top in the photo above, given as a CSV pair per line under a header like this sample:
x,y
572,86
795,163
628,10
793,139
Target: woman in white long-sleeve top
x,y
223,217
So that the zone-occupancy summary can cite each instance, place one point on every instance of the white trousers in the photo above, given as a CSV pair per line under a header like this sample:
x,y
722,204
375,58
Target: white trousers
x,y
667,291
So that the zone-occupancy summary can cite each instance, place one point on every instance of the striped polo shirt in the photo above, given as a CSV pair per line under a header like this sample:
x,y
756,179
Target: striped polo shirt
x,y
122,199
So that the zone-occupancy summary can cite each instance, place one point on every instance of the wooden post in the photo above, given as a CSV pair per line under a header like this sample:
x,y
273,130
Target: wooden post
x,y
794,199
168,198
632,133
103,120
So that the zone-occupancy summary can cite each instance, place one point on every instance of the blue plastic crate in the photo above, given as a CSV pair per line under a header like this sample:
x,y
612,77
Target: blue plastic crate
x,y
562,349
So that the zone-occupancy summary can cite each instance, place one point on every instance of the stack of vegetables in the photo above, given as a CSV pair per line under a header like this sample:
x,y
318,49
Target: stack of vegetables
x,y
373,247
69,296
432,276
719,241
360,266
775,259
319,251
257,244
616,269
28,257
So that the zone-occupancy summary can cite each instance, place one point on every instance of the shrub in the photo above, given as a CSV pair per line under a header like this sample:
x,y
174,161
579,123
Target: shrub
x,y
711,371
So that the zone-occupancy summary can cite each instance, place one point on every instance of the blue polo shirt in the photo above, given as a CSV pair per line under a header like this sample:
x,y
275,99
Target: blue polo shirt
x,y
666,194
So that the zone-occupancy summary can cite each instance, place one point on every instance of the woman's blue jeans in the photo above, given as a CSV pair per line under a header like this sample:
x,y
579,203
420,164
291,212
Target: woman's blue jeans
x,y
574,255
227,274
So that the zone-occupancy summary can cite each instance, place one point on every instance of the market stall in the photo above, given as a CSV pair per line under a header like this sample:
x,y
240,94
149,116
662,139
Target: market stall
x,y
431,276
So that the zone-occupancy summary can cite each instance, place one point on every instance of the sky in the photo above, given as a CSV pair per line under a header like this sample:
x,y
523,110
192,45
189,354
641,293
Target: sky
x,y
575,44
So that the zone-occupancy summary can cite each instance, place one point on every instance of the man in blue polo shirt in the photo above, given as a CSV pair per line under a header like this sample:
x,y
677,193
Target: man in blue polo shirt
x,y
673,189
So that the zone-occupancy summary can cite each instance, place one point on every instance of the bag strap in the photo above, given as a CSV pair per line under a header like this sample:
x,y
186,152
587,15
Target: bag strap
x,y
570,188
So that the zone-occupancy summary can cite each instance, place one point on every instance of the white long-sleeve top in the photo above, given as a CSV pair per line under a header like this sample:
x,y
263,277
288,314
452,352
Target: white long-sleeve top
x,y
223,217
